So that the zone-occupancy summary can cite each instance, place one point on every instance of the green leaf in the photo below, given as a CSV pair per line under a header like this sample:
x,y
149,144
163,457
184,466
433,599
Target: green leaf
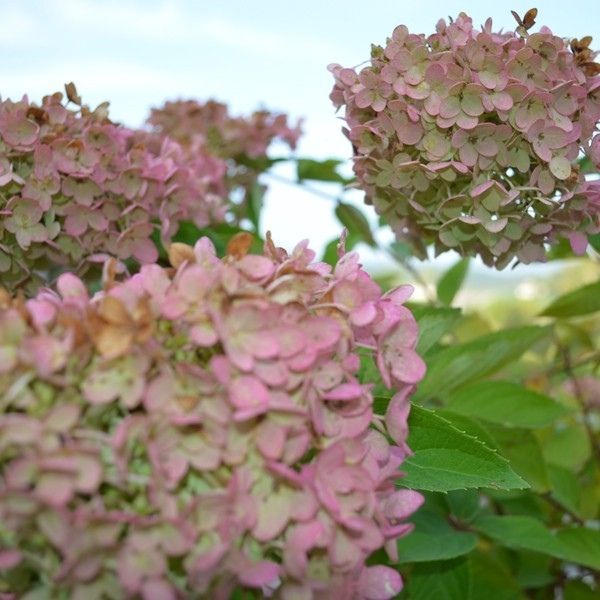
x,y
575,544
517,502
582,301
451,281
582,545
355,222
188,233
434,539
565,487
594,240
586,166
505,403
461,364
319,170
566,446
446,458
258,163
492,578
433,324
577,590
519,532
441,580
240,594
524,453
469,426
534,569
463,504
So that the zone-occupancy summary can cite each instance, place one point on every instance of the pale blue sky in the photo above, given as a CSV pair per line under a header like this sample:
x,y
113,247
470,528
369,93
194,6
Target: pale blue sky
x,y
137,53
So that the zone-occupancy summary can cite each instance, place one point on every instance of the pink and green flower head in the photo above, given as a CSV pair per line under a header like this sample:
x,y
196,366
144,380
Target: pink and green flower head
x,y
190,430
433,118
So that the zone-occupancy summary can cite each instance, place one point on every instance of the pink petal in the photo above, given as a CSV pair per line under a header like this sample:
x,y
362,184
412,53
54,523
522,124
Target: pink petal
x,y
259,574
345,391
263,344
204,334
291,340
400,294
379,583
256,267
270,439
363,315
396,416
323,332
55,488
76,224
157,589
402,503
9,559
72,289
496,226
408,366
578,242
502,100
90,474
145,251
41,311
248,391
273,516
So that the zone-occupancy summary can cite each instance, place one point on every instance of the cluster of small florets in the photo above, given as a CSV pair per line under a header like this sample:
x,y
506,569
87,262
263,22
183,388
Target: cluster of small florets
x,y
74,186
201,428
468,139
210,125
242,142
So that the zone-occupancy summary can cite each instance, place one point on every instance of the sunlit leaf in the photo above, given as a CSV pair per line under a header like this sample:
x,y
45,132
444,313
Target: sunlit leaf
x,y
505,403
461,364
319,170
446,458
574,544
451,281
355,222
433,324
582,301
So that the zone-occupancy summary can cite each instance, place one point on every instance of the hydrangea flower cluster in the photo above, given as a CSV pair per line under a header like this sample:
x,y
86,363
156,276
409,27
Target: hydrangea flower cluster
x,y
210,125
241,141
468,139
74,186
194,429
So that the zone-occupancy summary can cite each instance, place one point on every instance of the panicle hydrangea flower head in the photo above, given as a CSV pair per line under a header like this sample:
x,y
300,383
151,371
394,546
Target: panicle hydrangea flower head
x,y
75,186
209,124
194,429
243,142
468,138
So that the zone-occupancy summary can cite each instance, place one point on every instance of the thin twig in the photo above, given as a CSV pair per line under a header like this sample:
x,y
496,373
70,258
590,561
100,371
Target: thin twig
x,y
568,368
561,508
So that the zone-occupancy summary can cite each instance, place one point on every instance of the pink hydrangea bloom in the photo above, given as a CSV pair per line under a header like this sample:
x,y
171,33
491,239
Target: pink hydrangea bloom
x,y
242,142
73,184
210,124
434,118
206,425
